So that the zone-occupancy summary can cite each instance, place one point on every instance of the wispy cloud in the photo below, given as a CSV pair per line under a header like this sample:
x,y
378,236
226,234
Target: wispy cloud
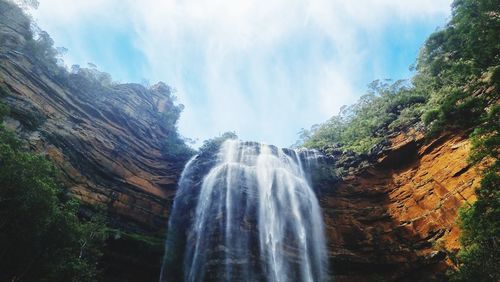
x,y
262,68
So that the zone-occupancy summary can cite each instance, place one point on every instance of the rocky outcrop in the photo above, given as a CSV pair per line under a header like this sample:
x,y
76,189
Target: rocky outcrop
x,y
115,145
108,142
107,147
396,219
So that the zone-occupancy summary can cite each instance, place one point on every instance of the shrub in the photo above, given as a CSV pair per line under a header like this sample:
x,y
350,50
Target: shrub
x,y
41,236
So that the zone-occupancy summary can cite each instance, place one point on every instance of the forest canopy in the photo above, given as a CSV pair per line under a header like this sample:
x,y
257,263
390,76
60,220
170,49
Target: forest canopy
x,y
455,86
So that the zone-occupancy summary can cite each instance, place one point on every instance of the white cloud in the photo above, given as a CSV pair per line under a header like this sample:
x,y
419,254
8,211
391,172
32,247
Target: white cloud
x,y
262,68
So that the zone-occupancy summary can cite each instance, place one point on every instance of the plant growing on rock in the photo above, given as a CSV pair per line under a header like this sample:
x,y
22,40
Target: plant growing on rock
x,y
41,235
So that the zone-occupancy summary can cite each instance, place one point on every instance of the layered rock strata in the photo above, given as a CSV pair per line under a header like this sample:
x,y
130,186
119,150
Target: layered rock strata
x,y
396,219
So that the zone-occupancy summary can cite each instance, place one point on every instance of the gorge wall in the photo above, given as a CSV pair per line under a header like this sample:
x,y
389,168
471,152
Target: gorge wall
x,y
396,219
391,215
107,147
108,143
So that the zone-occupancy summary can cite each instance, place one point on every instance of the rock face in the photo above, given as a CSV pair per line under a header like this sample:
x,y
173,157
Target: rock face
x,y
108,140
389,215
396,219
108,145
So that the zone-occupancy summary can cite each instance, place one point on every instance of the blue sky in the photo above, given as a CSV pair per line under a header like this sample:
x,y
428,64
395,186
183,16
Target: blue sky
x,y
264,69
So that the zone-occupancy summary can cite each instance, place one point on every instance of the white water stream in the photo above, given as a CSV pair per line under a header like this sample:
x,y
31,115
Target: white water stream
x,y
257,218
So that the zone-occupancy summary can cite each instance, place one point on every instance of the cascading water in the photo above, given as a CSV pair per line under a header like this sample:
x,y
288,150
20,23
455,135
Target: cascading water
x,y
250,214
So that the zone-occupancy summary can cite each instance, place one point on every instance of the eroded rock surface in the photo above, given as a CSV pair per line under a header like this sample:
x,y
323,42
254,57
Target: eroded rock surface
x,y
388,215
396,220
108,144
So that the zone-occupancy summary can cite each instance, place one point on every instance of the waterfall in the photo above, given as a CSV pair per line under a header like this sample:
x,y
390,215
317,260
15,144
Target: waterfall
x,y
252,216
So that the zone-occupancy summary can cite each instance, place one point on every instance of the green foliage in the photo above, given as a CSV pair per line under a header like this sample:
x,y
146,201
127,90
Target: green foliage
x,y
474,34
485,139
459,67
89,78
140,243
430,115
452,88
40,48
457,109
459,63
4,90
479,258
4,110
175,146
213,145
130,256
387,106
456,87
41,237
97,84
30,119
466,46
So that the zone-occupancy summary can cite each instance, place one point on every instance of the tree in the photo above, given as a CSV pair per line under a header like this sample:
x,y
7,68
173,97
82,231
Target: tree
x,y
41,236
479,259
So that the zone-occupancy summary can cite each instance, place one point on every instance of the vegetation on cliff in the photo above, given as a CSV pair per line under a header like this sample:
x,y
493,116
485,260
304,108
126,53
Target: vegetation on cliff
x,y
42,237
55,244
359,127
38,47
211,146
479,259
456,87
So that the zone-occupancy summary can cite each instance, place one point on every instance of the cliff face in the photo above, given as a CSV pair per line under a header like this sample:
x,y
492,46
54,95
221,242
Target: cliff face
x,y
396,219
392,217
111,143
108,147
108,144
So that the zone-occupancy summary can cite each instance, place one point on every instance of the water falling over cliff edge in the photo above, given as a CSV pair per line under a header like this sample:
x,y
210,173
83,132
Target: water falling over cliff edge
x,y
248,213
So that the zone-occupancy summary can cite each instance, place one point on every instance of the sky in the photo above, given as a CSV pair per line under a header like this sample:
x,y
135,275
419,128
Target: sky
x,y
263,69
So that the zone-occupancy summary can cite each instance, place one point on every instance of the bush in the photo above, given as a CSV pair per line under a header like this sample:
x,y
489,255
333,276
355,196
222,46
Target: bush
x,y
211,146
41,236
479,258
